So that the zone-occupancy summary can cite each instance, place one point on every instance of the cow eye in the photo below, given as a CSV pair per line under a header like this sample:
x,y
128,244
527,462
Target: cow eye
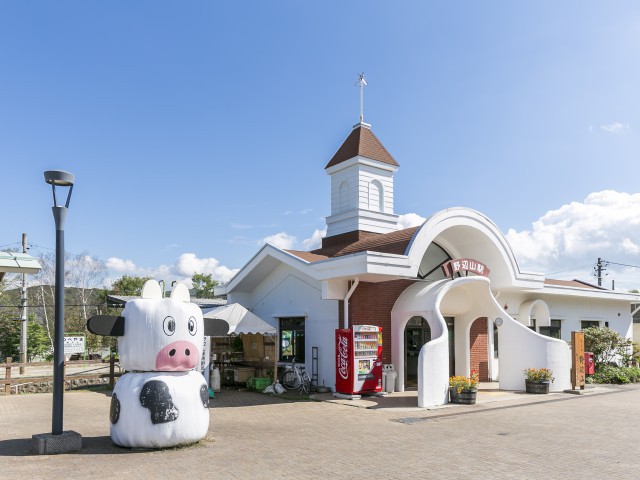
x,y
169,326
192,326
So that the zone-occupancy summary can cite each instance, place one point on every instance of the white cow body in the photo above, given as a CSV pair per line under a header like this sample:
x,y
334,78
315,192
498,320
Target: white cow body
x,y
183,419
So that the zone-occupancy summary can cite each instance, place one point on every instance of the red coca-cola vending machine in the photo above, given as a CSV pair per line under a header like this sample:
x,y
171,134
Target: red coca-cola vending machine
x,y
359,359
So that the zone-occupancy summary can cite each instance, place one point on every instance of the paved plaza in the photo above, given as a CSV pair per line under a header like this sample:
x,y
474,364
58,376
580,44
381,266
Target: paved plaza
x,y
506,435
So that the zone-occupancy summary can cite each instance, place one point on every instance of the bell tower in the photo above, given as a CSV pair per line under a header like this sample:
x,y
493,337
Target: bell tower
x,y
361,174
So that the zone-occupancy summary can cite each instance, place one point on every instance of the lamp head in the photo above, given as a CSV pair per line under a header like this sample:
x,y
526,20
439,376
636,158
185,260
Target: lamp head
x,y
59,177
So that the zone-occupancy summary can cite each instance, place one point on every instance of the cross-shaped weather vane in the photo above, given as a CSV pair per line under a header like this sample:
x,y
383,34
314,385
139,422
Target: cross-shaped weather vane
x,y
361,82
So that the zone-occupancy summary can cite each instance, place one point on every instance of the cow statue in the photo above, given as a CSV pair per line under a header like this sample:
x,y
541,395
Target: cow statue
x,y
161,401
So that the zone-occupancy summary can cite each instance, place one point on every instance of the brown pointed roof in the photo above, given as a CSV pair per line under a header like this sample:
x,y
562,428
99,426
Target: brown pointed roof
x,y
362,142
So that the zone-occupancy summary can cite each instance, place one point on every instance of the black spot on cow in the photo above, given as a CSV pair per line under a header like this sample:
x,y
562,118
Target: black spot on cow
x,y
114,411
204,395
156,397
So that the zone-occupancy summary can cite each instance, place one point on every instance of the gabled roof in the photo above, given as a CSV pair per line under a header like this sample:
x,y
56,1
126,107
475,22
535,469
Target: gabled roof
x,y
362,142
18,263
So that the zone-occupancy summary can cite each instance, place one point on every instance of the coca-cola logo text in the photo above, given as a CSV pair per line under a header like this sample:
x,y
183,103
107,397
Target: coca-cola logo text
x,y
343,357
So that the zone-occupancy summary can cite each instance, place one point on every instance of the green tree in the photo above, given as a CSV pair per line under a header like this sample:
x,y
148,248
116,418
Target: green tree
x,y
203,285
37,339
607,345
9,336
128,285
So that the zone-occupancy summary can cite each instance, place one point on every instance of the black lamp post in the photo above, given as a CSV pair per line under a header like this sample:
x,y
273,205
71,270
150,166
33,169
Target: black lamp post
x,y
58,441
58,178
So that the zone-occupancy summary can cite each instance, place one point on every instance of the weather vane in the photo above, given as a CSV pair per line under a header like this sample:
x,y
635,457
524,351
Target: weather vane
x,y
361,82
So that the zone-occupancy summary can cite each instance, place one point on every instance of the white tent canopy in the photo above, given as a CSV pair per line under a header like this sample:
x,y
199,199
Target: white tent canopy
x,y
234,319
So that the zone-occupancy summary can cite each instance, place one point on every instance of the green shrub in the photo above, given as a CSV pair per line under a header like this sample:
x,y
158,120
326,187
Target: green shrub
x,y
618,375
634,374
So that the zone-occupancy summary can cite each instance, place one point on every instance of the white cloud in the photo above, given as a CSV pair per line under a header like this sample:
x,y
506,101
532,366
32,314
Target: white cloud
x,y
121,265
315,241
281,240
409,220
605,225
182,269
616,127
630,247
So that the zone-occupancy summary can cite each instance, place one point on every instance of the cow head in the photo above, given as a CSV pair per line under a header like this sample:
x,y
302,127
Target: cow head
x,y
155,333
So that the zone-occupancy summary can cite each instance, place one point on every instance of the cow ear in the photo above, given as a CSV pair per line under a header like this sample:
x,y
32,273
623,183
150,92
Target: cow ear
x,y
180,292
151,289
106,325
215,327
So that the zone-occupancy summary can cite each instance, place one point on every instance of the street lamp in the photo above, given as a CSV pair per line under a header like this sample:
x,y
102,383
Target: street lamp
x,y
58,441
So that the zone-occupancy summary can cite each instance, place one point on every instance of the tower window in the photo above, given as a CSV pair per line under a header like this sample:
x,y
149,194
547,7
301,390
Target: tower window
x,y
376,196
344,203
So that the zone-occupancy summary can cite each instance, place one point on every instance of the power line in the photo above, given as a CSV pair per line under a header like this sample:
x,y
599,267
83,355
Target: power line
x,y
622,264
53,304
571,269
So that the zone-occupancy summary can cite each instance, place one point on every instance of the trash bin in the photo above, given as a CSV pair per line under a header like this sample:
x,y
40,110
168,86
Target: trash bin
x,y
389,376
589,364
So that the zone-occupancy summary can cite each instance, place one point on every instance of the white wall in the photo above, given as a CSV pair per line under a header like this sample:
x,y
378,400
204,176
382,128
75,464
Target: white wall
x,y
288,292
572,310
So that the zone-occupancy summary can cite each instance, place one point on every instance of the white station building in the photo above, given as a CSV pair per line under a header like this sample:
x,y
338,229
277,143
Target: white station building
x,y
449,294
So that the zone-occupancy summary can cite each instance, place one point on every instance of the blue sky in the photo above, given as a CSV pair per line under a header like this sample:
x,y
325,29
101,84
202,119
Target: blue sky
x,y
203,127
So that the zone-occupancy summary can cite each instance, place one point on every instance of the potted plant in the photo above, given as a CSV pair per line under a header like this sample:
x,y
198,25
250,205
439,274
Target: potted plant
x,y
463,389
537,380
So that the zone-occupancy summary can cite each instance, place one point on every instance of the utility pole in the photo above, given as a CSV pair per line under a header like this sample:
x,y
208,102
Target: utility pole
x,y
23,313
598,269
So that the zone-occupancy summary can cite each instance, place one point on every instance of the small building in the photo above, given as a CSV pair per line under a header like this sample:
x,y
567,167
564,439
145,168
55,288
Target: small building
x,y
448,294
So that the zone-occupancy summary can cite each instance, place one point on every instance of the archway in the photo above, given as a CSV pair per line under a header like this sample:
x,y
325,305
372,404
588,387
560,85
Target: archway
x,y
416,333
479,343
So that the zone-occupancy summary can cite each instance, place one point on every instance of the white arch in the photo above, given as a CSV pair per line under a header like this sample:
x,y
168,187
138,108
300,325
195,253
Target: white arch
x,y
537,309
467,233
468,298
376,196
419,300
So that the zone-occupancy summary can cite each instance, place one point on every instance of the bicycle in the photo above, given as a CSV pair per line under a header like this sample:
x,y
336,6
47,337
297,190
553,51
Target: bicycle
x,y
295,378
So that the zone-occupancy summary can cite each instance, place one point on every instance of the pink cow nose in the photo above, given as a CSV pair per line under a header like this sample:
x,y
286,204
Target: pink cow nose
x,y
177,356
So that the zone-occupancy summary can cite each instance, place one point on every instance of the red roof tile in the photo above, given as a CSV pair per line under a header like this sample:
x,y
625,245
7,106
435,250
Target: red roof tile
x,y
571,283
394,242
307,256
362,142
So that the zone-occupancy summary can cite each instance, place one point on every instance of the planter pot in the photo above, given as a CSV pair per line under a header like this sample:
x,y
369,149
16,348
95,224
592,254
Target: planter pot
x,y
537,387
466,397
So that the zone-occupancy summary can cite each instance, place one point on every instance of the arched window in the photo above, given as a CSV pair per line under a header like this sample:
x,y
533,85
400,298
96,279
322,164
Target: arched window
x,y
376,197
343,197
433,258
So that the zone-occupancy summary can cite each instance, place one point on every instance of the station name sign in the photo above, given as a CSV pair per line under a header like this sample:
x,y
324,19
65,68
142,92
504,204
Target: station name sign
x,y
465,265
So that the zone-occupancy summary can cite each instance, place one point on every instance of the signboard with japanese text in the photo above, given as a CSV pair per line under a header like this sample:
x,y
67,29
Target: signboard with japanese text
x,y
74,344
467,265
577,360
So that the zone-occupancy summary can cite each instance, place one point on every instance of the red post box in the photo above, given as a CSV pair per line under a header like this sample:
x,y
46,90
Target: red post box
x,y
589,364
